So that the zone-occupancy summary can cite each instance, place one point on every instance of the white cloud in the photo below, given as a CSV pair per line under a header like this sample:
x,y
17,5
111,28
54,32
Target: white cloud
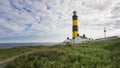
x,y
54,17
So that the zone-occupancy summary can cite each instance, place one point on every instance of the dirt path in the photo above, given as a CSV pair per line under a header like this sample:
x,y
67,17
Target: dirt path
x,y
5,62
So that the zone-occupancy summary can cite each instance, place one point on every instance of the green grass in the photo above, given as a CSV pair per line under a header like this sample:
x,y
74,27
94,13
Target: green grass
x,y
100,54
7,53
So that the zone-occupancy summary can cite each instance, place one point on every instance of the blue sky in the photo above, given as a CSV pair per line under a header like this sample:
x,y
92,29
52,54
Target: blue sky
x,y
51,20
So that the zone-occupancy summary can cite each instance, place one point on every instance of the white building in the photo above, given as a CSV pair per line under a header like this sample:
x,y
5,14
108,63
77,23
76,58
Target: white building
x,y
108,38
78,39
67,41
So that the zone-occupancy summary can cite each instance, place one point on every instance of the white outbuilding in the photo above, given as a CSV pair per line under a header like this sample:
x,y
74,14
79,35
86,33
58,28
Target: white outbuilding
x,y
80,39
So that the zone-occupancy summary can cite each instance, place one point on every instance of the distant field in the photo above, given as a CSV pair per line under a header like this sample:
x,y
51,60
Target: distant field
x,y
100,54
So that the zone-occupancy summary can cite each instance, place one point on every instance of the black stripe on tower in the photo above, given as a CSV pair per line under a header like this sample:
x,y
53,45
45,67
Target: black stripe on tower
x,y
75,17
75,28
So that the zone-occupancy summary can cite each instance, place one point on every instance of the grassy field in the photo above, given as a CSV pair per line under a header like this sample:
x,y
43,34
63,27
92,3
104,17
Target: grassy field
x,y
100,54
7,53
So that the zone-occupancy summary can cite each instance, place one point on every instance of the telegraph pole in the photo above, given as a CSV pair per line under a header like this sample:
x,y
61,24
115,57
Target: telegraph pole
x,y
105,32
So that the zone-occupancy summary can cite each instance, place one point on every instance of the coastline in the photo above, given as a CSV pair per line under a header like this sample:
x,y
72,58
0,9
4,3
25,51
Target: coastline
x,y
18,45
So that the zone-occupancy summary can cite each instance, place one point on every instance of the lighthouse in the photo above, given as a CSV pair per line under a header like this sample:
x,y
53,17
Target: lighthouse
x,y
75,25
76,38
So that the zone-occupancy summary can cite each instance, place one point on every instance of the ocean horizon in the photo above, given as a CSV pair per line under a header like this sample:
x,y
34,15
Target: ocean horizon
x,y
16,45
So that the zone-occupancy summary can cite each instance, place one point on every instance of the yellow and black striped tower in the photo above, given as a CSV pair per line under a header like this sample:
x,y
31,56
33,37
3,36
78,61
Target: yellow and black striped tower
x,y
75,25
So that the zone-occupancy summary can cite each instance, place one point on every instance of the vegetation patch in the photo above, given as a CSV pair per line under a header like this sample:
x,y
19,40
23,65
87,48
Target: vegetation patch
x,y
8,53
99,54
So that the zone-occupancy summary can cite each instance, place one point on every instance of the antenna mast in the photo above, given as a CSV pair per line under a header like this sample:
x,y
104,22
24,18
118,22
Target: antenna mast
x,y
105,32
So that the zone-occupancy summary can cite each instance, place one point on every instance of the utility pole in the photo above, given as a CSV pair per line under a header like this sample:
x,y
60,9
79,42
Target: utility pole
x,y
105,32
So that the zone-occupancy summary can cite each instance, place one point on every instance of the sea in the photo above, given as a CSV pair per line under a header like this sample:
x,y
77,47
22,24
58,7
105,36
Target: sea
x,y
16,45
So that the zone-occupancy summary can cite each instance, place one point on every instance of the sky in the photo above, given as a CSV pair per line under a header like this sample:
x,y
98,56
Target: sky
x,y
51,20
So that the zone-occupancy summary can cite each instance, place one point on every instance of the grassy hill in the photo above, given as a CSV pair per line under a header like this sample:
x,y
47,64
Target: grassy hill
x,y
99,54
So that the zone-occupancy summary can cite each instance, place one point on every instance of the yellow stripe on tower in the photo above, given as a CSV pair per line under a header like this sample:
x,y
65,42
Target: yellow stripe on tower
x,y
75,22
75,34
